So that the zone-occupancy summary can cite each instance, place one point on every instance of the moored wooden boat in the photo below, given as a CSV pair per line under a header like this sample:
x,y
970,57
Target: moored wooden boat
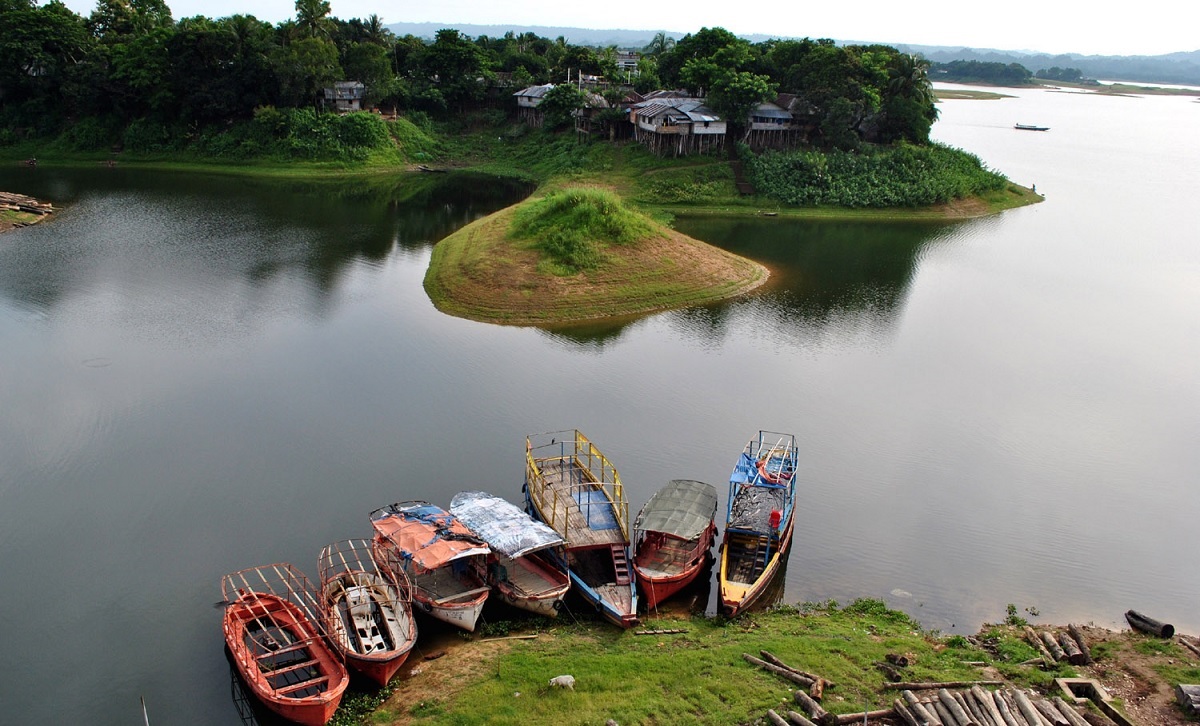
x,y
572,487
673,534
443,559
527,565
1030,127
759,520
274,634
367,610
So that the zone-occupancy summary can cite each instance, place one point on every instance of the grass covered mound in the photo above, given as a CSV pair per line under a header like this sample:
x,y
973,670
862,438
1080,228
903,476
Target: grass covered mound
x,y
880,177
577,254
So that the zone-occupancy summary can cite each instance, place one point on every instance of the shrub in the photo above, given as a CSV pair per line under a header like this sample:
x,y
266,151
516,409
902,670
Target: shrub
x,y
572,227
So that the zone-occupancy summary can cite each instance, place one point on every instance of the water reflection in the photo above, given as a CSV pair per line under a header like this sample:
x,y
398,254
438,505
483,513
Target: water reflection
x,y
174,231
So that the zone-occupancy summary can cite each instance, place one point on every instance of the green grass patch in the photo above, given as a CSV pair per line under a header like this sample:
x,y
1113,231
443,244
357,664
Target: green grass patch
x,y
573,227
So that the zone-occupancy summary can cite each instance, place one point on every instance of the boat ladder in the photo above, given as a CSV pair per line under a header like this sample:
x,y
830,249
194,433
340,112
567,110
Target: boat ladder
x,y
620,564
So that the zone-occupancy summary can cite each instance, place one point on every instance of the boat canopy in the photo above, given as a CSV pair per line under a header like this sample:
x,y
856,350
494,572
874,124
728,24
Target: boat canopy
x,y
428,535
683,508
501,524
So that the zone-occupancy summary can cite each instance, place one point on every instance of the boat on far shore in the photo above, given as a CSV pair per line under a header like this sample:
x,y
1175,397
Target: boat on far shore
x,y
1031,127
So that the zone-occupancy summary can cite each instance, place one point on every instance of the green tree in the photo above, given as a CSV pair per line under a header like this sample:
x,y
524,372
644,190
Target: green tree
x,y
736,93
559,105
305,67
312,18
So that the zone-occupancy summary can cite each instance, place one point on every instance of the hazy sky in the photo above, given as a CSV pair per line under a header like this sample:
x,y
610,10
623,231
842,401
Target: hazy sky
x,y
1150,27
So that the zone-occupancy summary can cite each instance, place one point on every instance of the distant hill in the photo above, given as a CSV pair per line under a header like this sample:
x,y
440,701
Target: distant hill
x,y
1181,68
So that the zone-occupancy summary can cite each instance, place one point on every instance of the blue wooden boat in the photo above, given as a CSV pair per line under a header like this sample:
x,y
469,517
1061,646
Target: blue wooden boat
x,y
759,520
572,487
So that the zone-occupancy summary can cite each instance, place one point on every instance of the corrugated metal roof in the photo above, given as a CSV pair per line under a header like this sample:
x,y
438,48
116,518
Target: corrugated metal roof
x,y
534,91
770,110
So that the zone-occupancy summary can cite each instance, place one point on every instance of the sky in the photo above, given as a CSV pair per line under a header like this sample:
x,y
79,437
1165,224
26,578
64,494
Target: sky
x,y
1099,27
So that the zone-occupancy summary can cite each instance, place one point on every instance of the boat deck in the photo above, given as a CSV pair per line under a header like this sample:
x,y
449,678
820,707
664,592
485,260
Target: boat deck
x,y
747,558
591,519
619,597
669,558
528,577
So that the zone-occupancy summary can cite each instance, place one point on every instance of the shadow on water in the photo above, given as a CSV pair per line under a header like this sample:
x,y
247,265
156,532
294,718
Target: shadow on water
x,y
250,227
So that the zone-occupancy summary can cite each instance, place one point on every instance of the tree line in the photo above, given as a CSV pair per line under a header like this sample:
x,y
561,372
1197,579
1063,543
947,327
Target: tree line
x,y
130,65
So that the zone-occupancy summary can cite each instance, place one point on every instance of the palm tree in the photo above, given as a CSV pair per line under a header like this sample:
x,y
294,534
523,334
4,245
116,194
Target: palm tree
x,y
312,18
376,32
908,77
659,45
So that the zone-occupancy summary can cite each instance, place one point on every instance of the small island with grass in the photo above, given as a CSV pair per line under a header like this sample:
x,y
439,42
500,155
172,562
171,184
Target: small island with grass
x,y
578,253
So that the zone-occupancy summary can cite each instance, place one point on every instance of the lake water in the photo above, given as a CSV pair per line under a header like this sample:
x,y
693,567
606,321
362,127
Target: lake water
x,y
201,374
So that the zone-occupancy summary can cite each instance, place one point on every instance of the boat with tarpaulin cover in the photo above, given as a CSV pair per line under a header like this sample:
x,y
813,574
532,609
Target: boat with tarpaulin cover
x,y
526,566
367,610
672,536
572,487
443,559
759,519
273,629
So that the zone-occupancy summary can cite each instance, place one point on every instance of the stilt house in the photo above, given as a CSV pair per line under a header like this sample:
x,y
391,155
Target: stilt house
x,y
528,100
674,126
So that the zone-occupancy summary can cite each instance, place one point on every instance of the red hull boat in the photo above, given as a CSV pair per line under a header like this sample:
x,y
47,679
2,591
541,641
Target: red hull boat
x,y
672,537
272,634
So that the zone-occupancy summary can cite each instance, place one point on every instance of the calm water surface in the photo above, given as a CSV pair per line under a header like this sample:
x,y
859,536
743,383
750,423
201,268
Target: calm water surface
x,y
203,374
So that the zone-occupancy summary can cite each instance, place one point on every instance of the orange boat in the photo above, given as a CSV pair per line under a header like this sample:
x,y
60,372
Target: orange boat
x,y
367,610
445,561
672,537
272,632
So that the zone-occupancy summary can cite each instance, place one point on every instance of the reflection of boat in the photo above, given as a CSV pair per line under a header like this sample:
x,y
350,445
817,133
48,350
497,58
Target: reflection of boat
x,y
759,521
1031,127
570,486
522,567
272,631
672,536
367,609
443,559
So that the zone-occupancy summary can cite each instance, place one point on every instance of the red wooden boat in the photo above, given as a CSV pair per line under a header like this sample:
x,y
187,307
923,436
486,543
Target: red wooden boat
x,y
366,609
272,632
672,537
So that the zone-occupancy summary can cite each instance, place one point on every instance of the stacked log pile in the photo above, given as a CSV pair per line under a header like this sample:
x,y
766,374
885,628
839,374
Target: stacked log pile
x,y
976,707
1060,645
10,202
1188,698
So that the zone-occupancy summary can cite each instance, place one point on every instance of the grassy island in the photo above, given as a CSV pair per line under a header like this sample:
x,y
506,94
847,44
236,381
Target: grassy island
x,y
578,253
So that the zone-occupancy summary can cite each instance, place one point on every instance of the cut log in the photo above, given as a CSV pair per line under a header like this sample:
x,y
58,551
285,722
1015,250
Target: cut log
x,y
1006,710
893,674
845,719
1149,625
967,701
988,704
1077,634
799,719
776,718
817,689
930,685
670,631
944,714
782,672
771,658
1051,713
815,712
1053,646
897,659
1189,645
1032,717
926,715
1075,656
1036,642
960,714
901,709
1069,712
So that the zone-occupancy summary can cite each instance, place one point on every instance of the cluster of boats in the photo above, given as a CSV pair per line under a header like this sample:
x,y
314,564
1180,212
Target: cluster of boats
x,y
292,641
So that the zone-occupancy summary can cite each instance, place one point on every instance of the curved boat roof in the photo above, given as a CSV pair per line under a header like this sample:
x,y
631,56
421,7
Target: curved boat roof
x,y
427,534
683,508
501,524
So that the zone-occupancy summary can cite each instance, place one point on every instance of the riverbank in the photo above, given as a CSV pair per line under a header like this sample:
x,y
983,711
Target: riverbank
x,y
18,210
679,669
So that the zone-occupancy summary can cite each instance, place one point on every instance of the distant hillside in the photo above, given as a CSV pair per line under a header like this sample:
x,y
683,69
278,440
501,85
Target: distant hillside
x,y
1182,68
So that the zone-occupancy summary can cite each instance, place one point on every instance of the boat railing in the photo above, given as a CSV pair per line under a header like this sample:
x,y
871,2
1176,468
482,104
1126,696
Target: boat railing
x,y
573,449
280,580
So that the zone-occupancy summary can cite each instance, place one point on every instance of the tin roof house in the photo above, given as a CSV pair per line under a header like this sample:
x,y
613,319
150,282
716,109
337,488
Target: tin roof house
x,y
671,125
528,100
346,96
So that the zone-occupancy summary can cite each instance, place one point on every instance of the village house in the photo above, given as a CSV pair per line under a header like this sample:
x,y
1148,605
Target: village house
x,y
770,127
528,100
670,124
346,96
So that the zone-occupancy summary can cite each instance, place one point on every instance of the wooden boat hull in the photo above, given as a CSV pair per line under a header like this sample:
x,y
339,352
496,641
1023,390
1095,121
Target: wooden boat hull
x,y
738,597
291,634
660,583
462,612
533,584
372,630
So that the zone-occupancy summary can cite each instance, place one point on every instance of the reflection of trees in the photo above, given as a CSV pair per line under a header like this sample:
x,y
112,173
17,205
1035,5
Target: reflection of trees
x,y
257,228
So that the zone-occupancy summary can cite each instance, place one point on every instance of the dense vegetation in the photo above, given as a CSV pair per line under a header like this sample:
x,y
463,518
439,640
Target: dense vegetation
x,y
900,176
572,227
130,76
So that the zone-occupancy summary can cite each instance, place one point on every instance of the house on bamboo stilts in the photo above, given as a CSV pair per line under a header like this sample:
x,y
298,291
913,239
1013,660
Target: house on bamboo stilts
x,y
670,125
588,120
770,127
528,100
345,96
806,119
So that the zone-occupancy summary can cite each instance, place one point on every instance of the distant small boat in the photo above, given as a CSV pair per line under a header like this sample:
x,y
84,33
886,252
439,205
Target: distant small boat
x,y
1031,127
367,609
444,560
672,536
527,565
272,629
430,169
572,487
759,520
